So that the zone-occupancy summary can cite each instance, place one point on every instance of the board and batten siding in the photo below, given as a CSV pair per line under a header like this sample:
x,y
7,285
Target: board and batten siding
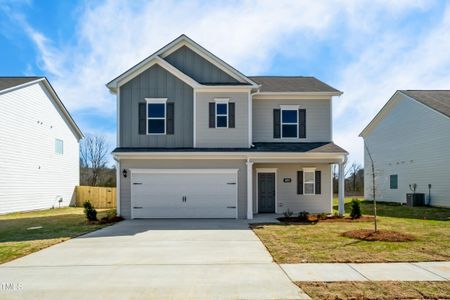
x,y
318,119
413,142
286,192
156,82
222,137
198,68
125,183
32,175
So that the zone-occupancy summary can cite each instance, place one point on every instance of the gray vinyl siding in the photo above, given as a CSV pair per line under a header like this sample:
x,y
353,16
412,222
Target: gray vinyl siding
x,y
125,185
156,82
413,142
198,68
318,119
286,193
222,137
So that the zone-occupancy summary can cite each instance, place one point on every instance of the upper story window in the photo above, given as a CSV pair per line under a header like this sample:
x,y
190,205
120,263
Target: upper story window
x,y
289,123
59,146
221,115
309,181
156,116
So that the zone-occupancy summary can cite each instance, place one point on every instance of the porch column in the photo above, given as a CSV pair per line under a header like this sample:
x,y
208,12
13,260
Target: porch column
x,y
341,188
249,190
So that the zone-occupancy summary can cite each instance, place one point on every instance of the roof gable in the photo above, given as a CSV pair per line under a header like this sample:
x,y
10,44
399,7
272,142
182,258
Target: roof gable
x,y
7,83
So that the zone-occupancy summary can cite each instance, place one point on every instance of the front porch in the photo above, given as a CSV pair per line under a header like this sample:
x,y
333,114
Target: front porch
x,y
294,184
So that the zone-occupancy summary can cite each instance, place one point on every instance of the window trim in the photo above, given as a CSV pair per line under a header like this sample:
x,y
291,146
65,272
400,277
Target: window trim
x,y
156,101
286,108
396,182
313,171
62,146
227,115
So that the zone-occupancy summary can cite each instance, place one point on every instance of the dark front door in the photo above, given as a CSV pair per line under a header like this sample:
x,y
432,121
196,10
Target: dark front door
x,y
266,192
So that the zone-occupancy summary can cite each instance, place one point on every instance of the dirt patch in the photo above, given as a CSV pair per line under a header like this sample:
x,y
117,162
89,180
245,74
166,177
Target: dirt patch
x,y
380,235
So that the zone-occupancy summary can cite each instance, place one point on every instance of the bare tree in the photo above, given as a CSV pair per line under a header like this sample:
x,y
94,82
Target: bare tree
x,y
354,168
93,156
372,170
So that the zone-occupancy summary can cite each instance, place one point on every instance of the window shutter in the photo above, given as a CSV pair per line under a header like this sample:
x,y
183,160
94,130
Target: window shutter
x,y
302,123
276,124
318,182
142,118
170,118
212,115
231,118
300,182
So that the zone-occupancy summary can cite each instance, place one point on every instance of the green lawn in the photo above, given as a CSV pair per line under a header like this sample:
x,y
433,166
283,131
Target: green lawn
x,y
58,225
323,242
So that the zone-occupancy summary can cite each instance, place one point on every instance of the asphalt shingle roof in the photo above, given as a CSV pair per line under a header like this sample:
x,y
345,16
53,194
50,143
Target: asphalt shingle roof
x,y
9,82
258,147
438,100
292,84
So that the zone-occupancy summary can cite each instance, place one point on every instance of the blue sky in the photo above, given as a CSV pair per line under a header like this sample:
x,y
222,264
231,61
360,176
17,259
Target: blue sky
x,y
367,49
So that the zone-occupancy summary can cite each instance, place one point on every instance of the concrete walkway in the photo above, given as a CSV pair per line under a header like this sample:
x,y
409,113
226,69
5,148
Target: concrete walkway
x,y
422,271
152,259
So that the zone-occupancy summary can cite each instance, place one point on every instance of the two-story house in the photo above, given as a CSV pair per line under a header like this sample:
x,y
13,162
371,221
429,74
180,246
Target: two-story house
x,y
198,139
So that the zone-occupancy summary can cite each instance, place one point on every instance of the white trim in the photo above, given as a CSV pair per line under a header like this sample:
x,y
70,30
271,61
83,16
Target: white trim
x,y
287,108
249,189
250,120
118,183
283,95
16,87
194,126
156,101
217,115
224,88
118,118
184,171
222,100
309,170
267,170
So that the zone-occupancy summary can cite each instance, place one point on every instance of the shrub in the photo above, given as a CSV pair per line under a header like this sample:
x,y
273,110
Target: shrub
x,y
288,213
356,209
89,211
303,216
322,216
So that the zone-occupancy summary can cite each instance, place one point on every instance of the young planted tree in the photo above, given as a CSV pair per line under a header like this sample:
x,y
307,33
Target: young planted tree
x,y
372,171
94,157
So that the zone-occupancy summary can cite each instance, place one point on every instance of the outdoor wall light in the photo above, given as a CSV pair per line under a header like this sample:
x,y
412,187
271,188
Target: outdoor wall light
x,y
125,173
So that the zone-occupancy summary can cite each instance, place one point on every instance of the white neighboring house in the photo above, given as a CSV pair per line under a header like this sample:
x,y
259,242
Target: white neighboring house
x,y
409,140
39,146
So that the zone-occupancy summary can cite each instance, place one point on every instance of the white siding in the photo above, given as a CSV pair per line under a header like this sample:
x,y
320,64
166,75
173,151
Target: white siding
x,y
32,175
222,137
286,192
412,141
318,119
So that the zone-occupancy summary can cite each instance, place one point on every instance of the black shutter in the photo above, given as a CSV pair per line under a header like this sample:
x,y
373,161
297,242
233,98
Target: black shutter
x,y
300,182
212,115
276,124
302,123
318,182
142,118
170,120
231,115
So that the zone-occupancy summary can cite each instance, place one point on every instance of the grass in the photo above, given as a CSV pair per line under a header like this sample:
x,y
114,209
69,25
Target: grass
x,y
377,290
58,225
323,242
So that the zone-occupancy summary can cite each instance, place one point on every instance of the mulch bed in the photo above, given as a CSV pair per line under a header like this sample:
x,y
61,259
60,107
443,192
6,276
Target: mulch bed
x,y
315,219
380,235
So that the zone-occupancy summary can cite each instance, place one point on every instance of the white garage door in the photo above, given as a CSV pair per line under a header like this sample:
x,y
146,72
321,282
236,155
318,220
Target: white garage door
x,y
184,193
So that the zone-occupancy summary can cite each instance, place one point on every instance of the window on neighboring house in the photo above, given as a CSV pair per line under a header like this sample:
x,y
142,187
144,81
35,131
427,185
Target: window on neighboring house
x,y
156,117
393,180
59,146
221,115
289,123
309,181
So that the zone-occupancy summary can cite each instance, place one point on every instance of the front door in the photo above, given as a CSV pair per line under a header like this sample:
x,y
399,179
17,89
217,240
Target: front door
x,y
266,192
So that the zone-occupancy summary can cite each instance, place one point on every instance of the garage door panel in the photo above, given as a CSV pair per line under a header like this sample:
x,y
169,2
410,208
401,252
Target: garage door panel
x,y
207,195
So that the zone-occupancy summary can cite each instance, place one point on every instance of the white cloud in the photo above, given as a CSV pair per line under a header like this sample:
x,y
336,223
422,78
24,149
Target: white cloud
x,y
381,57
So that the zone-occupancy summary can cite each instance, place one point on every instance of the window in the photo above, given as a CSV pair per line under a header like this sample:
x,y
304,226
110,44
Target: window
x,y
309,181
221,115
156,116
393,180
59,146
289,123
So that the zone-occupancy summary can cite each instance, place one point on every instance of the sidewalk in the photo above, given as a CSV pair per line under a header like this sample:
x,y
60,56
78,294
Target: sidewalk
x,y
422,271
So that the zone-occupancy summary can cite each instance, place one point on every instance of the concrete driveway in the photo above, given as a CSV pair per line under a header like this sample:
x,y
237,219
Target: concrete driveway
x,y
153,259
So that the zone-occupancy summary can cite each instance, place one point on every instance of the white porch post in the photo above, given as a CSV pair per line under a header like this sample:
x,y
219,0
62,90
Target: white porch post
x,y
249,190
341,188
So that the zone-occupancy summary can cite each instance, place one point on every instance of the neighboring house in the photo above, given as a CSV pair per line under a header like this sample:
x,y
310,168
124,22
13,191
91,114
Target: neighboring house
x,y
198,139
409,141
39,149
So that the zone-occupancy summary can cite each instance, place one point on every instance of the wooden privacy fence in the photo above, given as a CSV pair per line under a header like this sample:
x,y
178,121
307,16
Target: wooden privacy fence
x,y
100,197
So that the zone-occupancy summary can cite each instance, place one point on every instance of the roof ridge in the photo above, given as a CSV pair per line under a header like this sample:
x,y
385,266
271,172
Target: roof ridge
x,y
282,76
